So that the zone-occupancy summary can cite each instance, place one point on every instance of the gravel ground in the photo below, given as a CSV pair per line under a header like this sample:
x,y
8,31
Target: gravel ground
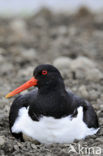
x,y
74,44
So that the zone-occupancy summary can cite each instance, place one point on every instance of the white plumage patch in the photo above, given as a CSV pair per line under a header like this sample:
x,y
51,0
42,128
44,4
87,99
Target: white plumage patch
x,y
51,130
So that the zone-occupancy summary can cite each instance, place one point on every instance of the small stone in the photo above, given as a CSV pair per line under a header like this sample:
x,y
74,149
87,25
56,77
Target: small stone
x,y
3,103
79,74
2,140
72,30
7,108
6,68
96,106
99,139
101,106
83,91
2,59
93,94
20,144
62,30
33,146
62,62
82,63
2,51
16,147
28,54
18,25
27,72
102,97
94,74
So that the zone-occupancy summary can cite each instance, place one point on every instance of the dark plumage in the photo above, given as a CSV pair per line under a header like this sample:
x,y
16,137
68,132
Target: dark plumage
x,y
51,100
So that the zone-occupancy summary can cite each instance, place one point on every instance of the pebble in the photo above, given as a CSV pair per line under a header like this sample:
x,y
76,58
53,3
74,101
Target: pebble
x,y
99,139
2,51
16,147
2,59
3,103
20,144
101,97
6,68
83,91
33,146
62,62
101,106
28,54
93,95
18,25
7,108
94,75
79,74
2,140
62,30
27,72
82,62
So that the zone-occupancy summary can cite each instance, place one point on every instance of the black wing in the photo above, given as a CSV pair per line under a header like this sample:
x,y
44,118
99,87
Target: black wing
x,y
19,102
89,114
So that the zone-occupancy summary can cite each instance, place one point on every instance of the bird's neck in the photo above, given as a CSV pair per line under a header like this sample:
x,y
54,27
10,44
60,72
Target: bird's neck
x,y
51,88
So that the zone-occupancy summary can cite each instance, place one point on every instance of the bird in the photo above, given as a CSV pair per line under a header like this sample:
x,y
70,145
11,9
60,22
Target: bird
x,y
50,113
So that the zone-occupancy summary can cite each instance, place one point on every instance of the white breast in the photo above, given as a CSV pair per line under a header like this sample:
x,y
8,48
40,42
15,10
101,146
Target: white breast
x,y
51,130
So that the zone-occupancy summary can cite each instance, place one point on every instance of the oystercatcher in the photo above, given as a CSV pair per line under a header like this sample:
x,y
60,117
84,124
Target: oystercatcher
x,y
50,113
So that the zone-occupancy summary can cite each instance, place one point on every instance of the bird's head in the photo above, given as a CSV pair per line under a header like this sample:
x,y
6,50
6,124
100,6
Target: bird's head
x,y
45,77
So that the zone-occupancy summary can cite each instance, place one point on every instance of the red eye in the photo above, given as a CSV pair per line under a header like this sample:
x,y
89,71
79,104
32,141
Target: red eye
x,y
44,72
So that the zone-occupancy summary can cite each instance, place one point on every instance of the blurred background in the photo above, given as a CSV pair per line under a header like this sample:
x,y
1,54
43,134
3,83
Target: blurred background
x,y
65,33
24,7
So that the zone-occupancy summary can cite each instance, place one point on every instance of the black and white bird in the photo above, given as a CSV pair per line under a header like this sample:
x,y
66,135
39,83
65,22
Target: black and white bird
x,y
50,113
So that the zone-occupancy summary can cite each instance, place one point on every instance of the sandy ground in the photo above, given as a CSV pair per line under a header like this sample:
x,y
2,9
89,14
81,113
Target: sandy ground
x,y
74,44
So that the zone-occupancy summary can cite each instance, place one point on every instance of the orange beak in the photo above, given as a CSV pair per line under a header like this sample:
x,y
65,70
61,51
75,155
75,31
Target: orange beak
x,y
28,84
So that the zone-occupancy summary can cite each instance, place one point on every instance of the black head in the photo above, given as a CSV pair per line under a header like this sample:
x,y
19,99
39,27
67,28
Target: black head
x,y
48,76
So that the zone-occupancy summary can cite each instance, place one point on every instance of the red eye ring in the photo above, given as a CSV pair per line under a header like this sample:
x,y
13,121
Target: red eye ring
x,y
44,72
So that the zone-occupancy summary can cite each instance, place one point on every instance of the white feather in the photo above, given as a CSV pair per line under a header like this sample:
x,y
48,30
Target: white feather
x,y
51,130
